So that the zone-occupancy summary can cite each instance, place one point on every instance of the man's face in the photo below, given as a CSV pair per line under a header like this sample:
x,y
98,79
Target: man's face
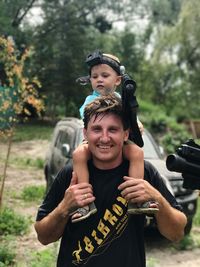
x,y
105,137
104,79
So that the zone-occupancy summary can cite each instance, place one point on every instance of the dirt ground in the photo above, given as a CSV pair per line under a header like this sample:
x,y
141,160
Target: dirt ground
x,y
159,251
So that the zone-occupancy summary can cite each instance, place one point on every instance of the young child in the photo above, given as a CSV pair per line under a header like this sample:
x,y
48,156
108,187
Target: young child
x,y
105,74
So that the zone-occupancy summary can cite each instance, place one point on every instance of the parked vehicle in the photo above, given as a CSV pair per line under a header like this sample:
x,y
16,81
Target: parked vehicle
x,y
68,135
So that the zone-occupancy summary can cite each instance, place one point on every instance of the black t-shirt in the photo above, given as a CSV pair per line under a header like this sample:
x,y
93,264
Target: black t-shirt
x,y
110,237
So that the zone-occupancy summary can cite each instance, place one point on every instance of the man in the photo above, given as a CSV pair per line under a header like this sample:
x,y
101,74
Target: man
x,y
110,237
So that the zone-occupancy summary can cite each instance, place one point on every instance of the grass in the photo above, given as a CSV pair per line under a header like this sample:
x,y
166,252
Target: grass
x,y
27,162
28,131
196,221
33,193
151,262
45,257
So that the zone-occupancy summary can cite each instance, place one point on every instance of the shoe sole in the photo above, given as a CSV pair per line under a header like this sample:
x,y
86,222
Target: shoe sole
x,y
143,211
91,212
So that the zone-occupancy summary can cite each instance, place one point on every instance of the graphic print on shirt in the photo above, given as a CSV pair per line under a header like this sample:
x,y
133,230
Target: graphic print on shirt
x,y
109,228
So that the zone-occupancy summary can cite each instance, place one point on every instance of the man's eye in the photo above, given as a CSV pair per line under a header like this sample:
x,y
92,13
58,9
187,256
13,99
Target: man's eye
x,y
96,129
113,130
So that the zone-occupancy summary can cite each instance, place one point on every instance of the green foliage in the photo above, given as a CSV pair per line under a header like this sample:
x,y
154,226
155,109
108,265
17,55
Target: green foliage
x,y
33,131
154,117
7,251
176,52
17,91
165,11
165,128
71,29
187,243
191,241
28,162
12,223
197,215
151,262
33,193
44,258
176,135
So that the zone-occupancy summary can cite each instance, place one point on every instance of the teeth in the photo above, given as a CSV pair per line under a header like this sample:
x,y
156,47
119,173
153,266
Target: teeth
x,y
104,147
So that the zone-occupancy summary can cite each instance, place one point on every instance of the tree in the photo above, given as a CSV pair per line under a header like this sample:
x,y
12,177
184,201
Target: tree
x,y
16,92
177,51
70,30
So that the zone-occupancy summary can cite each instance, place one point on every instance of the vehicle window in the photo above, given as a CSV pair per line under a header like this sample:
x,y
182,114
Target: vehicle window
x,y
64,137
149,148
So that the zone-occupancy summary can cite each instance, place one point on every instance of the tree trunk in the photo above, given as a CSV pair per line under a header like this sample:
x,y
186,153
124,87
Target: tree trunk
x,y
5,167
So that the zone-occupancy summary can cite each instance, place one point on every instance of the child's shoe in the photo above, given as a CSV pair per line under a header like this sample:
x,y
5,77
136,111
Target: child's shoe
x,y
83,213
150,207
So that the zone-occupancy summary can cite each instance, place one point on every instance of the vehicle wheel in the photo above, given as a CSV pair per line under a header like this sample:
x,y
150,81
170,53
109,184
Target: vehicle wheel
x,y
188,227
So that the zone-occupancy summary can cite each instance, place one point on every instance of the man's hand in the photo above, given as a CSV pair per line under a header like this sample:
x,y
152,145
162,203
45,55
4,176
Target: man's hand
x,y
52,226
137,190
170,221
77,195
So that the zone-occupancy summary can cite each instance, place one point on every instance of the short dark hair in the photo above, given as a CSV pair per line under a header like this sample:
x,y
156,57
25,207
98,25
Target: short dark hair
x,y
104,105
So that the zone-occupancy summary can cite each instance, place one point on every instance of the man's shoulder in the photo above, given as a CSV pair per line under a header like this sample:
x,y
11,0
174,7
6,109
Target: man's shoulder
x,y
150,171
148,165
64,175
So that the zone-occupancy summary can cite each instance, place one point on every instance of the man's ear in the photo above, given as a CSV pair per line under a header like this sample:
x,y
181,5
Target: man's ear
x,y
126,135
85,134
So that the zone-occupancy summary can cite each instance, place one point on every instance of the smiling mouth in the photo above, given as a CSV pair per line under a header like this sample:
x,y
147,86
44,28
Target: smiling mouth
x,y
104,147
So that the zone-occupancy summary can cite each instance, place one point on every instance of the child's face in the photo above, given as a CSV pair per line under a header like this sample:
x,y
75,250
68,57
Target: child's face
x,y
104,79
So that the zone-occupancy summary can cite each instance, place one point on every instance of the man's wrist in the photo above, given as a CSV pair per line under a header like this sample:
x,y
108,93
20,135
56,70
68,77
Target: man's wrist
x,y
63,211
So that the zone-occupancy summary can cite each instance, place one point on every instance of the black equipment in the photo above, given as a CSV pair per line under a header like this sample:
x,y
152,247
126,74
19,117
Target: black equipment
x,y
130,106
187,162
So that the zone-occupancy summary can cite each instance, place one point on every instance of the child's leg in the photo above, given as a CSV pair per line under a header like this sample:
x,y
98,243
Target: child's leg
x,y
135,155
81,155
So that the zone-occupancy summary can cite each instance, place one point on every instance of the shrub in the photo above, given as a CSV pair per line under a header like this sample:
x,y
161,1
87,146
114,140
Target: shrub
x,y
7,251
12,223
165,129
175,136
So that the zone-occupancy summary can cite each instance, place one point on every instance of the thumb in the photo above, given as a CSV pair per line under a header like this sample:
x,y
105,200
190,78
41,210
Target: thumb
x,y
74,179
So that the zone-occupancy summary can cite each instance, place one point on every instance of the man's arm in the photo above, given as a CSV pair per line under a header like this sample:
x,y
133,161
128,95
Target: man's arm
x,y
51,227
171,222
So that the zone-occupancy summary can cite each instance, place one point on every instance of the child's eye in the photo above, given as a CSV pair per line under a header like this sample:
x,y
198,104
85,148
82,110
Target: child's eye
x,y
105,75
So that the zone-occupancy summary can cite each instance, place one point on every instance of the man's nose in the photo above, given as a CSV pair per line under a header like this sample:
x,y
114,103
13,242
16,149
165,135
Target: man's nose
x,y
105,136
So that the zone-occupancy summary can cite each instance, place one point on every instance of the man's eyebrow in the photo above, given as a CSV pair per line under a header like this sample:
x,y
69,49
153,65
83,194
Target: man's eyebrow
x,y
114,127
95,126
